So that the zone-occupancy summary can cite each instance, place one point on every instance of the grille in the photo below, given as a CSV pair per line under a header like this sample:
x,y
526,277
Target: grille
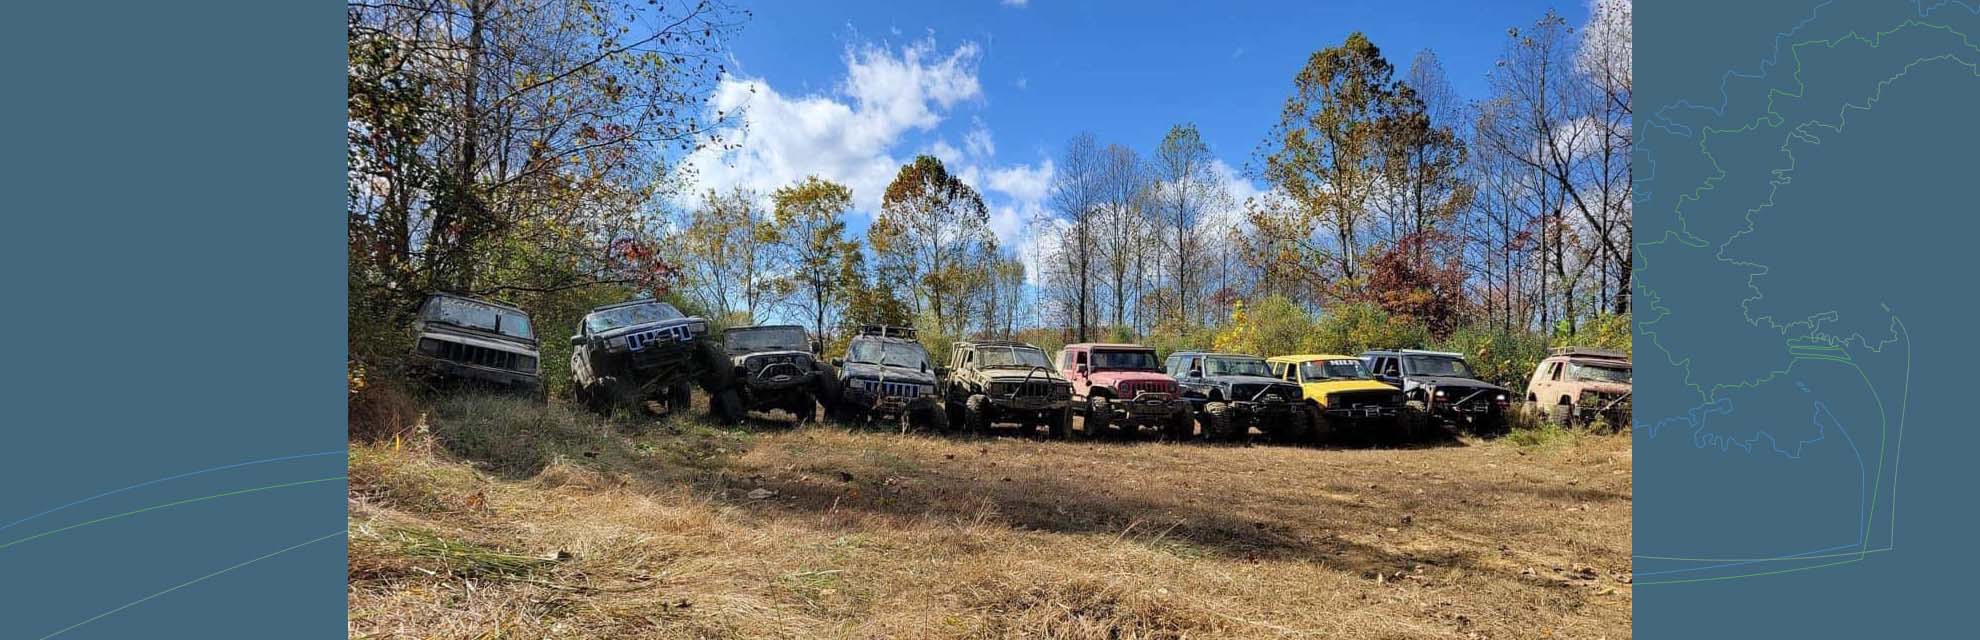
x,y
757,363
1245,392
1032,389
481,356
639,341
892,389
1353,399
1138,387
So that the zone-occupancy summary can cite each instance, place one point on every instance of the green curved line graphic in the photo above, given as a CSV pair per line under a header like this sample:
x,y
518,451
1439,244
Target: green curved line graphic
x,y
175,503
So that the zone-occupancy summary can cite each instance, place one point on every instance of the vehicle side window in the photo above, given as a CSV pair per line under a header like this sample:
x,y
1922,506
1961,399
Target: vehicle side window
x,y
1192,363
1554,372
1171,363
1389,367
1079,358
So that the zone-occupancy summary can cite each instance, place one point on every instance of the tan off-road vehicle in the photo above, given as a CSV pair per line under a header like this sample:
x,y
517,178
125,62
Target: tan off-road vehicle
x,y
1577,385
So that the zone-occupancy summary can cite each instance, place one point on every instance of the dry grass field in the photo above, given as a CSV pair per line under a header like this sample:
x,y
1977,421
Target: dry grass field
x,y
505,520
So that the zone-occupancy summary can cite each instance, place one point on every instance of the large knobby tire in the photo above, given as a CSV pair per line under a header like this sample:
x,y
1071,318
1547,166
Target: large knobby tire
x,y
717,372
1415,420
1560,414
726,406
1181,426
828,384
1294,428
929,418
1218,425
976,415
680,397
1060,426
1317,429
1099,414
802,407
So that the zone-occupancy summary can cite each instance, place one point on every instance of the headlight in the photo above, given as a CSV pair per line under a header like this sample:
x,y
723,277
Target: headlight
x,y
698,328
429,346
1502,396
1440,393
526,363
616,343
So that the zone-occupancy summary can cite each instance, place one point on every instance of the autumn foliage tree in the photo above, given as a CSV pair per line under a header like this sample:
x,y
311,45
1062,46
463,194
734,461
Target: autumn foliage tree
x,y
930,228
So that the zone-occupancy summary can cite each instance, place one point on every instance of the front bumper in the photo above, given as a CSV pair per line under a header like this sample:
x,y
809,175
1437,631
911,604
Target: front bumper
x,y
780,377
878,404
449,370
1263,410
1148,409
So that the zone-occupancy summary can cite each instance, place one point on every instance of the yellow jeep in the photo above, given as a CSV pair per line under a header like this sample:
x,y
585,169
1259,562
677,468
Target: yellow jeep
x,y
1340,392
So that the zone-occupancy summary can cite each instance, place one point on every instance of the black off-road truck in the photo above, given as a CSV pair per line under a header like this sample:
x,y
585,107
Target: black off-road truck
x,y
1006,382
647,351
886,375
776,367
1233,393
1440,388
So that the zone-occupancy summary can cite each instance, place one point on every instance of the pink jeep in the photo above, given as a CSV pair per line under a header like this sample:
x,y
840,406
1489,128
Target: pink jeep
x,y
1123,384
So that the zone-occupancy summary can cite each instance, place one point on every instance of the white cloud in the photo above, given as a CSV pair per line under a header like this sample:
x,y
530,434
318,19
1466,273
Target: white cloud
x,y
1016,3
1022,83
979,143
849,135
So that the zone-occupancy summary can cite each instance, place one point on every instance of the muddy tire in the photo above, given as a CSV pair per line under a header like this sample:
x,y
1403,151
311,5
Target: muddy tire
x,y
802,407
828,384
1317,429
1181,427
726,406
717,372
930,418
680,397
1560,414
976,415
1060,426
1099,414
1415,420
1218,425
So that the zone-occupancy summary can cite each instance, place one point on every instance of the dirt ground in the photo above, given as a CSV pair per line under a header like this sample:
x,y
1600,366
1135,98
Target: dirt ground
x,y
517,522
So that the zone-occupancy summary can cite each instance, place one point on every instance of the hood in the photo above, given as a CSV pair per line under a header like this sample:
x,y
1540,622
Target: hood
x,y
890,372
1454,382
1018,375
477,337
739,358
1246,380
677,322
1605,387
1337,386
1112,377
450,333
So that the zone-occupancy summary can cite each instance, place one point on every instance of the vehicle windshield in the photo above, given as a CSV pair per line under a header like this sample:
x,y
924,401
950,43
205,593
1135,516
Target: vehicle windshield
x,y
893,354
1324,369
1598,372
1231,366
476,315
756,339
1021,357
1422,365
1124,360
609,319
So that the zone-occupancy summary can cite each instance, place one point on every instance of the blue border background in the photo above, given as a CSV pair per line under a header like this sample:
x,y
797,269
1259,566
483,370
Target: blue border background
x,y
174,307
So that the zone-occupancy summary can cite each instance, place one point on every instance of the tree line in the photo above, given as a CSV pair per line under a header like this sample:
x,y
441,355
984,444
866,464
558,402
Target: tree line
x,y
525,150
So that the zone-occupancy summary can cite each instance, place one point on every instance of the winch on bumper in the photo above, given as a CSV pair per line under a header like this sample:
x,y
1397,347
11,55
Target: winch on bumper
x,y
886,398
1148,408
1465,403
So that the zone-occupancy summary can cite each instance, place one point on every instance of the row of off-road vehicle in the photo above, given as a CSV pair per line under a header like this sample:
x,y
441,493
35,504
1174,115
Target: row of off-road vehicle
x,y
646,353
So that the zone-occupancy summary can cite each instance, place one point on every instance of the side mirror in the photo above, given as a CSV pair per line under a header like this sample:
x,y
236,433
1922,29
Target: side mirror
x,y
577,340
817,348
1080,370
838,362
1195,373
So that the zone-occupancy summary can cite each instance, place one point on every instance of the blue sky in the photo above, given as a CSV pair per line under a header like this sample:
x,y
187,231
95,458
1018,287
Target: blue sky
x,y
849,91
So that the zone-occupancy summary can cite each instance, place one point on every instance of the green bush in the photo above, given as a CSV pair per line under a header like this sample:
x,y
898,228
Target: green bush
x,y
1505,358
1350,329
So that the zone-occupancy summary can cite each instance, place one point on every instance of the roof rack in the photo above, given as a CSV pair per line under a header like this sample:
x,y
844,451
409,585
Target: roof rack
x,y
1591,352
887,331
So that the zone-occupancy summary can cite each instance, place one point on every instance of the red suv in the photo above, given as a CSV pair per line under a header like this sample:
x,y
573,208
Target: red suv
x,y
1123,384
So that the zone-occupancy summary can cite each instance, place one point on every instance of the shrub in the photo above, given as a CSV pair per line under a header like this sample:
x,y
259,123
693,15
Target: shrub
x,y
1352,328
1505,358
